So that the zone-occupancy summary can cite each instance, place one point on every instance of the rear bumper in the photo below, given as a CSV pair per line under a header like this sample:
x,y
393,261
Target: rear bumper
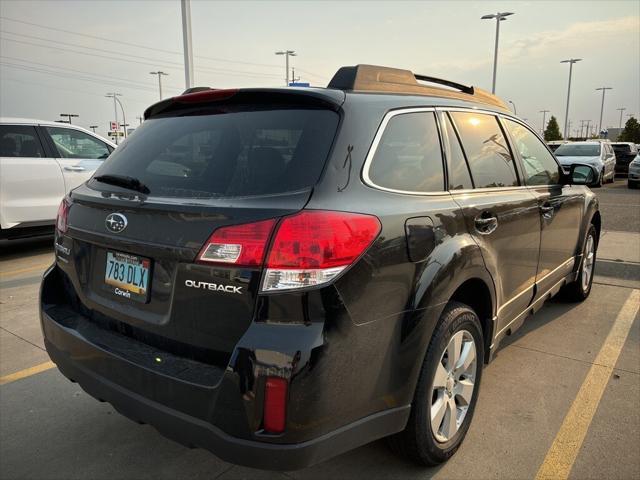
x,y
148,395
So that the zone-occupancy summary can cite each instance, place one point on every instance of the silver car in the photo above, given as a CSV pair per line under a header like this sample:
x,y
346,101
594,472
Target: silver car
x,y
599,155
634,173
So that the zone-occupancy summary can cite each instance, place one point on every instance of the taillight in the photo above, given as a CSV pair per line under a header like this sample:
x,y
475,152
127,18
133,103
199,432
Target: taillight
x,y
309,248
63,215
314,246
275,404
239,245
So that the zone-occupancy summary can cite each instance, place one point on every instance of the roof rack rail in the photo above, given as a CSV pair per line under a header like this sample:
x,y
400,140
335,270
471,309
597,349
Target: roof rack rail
x,y
373,78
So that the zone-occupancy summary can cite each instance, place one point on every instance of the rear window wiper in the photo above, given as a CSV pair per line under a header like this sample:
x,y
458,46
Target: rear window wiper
x,y
123,181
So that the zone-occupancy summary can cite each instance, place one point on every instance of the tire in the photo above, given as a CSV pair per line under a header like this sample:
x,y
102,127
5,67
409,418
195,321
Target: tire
x,y
579,289
418,442
600,181
632,185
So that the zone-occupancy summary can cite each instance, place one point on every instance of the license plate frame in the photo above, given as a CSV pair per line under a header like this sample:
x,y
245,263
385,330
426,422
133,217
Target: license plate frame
x,y
128,276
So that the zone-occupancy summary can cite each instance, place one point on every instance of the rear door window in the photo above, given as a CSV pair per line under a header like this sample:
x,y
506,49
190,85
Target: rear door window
x,y
228,154
20,141
459,176
74,144
487,151
408,157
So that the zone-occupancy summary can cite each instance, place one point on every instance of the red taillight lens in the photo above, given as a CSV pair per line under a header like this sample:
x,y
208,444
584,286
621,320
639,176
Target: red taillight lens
x,y
319,239
63,215
313,247
275,404
239,245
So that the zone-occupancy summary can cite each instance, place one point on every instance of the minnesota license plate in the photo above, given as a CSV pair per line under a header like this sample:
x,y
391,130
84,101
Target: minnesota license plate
x,y
128,275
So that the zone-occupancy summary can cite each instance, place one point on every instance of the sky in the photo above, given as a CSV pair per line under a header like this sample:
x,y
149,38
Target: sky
x,y
64,56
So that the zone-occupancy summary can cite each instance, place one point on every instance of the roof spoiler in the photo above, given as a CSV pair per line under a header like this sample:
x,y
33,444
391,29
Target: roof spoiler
x,y
372,78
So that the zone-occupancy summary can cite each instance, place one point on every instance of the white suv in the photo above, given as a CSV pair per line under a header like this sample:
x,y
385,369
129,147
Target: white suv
x,y
40,162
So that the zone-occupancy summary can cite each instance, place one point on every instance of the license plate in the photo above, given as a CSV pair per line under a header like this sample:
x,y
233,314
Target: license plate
x,y
128,275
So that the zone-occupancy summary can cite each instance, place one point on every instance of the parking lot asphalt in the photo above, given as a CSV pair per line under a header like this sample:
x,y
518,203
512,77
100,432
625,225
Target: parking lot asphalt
x,y
559,400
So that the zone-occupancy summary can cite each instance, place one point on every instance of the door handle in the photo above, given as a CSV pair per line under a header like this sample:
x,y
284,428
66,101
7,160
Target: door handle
x,y
486,225
547,210
75,169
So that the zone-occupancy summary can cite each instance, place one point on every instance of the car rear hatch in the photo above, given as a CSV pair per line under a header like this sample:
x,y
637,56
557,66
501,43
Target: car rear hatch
x,y
133,254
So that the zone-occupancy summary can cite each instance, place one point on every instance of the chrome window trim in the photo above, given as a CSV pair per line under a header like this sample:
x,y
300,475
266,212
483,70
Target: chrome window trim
x,y
376,142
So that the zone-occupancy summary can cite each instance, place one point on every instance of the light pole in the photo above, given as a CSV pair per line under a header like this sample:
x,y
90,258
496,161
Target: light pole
x,y
621,110
69,116
116,102
93,127
544,119
604,89
186,41
159,74
588,125
499,17
515,111
287,54
570,61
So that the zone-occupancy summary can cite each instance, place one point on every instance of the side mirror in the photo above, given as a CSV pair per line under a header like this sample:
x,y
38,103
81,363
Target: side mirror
x,y
582,174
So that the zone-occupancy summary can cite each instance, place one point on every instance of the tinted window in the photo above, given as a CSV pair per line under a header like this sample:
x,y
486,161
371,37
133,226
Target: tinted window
x,y
487,151
72,143
623,148
578,150
540,168
228,154
19,141
408,157
459,177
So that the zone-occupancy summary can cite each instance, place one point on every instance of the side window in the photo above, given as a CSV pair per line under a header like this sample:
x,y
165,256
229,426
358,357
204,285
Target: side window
x,y
459,176
540,168
72,143
487,151
20,141
409,157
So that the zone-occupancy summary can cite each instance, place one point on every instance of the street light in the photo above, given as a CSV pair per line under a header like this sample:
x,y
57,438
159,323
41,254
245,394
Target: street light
x,y
93,127
116,102
621,110
159,74
515,112
499,17
570,61
544,118
69,116
604,89
287,54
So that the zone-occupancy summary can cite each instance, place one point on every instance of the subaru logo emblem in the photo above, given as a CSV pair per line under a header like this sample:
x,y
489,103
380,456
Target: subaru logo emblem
x,y
116,222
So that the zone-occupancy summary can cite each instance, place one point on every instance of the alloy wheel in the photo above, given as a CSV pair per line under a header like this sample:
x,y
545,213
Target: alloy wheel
x,y
587,262
453,386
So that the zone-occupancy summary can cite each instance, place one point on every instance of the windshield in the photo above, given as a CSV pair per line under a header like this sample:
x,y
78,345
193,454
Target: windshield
x,y
578,150
228,154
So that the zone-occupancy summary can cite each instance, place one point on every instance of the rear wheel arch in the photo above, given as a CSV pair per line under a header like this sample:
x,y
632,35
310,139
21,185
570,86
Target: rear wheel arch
x,y
476,293
596,221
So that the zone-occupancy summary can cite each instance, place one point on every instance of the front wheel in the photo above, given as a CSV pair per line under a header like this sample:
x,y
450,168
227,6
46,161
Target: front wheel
x,y
580,288
447,389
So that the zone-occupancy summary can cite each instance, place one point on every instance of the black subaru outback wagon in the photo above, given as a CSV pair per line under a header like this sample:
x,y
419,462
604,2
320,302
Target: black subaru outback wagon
x,y
280,275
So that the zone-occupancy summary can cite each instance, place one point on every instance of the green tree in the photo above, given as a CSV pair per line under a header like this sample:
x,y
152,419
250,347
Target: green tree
x,y
552,132
630,132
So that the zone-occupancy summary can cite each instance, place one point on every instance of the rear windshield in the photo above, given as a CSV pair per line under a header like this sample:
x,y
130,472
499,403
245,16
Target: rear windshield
x,y
621,148
577,150
229,154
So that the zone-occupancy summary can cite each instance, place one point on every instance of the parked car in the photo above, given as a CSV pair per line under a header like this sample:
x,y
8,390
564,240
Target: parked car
x,y
597,154
41,162
554,144
634,173
281,305
625,153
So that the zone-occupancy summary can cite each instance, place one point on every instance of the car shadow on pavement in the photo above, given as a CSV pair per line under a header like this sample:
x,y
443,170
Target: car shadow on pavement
x,y
17,249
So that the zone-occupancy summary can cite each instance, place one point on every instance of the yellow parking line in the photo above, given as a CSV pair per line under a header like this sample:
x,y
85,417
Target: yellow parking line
x,y
27,372
564,450
24,270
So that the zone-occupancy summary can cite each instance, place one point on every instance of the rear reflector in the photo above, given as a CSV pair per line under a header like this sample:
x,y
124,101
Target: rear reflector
x,y
313,247
275,404
63,215
240,245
